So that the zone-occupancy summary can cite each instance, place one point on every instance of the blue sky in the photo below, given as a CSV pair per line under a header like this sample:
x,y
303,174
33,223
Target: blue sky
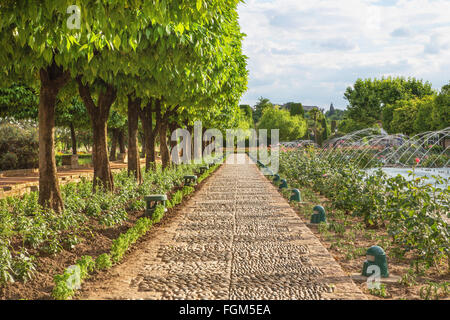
x,y
311,50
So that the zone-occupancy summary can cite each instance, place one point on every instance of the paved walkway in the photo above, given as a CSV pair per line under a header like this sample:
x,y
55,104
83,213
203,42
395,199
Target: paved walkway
x,y
237,238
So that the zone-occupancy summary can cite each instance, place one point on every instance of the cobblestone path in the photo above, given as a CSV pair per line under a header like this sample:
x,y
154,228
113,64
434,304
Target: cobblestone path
x,y
237,238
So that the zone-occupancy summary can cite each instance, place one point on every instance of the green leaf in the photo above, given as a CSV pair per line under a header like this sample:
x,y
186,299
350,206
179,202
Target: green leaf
x,y
48,55
117,41
90,54
133,43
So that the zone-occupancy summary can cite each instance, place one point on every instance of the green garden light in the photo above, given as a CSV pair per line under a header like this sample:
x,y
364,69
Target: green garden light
x,y
276,178
318,215
296,196
189,180
376,257
153,201
283,184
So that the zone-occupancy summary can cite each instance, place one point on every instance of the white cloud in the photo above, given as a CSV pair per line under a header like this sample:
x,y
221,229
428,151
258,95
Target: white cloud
x,y
311,50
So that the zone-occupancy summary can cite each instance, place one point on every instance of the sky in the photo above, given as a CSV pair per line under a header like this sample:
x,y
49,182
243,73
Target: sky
x,y
310,51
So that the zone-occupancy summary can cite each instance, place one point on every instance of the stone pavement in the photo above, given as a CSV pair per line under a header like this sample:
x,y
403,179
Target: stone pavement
x,y
237,238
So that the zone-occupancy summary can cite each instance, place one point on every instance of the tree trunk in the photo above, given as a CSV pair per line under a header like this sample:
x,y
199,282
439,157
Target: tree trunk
x,y
165,155
74,139
142,136
52,80
204,143
102,169
146,116
163,124
172,127
121,140
191,131
112,154
134,165
99,115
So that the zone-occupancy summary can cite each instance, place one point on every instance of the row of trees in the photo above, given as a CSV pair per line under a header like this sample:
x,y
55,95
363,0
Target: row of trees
x,y
293,121
417,115
165,63
402,105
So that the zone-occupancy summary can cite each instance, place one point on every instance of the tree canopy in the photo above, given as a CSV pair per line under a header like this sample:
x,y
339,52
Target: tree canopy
x,y
291,127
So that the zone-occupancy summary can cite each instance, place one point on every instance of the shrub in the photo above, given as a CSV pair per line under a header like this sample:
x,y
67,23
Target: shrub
x,y
9,161
19,147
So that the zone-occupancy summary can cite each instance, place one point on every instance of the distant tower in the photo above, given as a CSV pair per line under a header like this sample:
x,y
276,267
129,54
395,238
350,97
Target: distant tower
x,y
332,110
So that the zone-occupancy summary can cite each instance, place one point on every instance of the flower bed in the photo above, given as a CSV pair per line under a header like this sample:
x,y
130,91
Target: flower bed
x,y
35,244
405,217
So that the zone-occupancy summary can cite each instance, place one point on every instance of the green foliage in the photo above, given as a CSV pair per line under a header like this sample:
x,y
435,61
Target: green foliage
x,y
61,290
23,266
349,125
103,262
125,240
435,291
262,104
72,113
409,279
48,231
18,102
441,111
291,127
87,265
411,211
296,109
158,214
18,147
335,114
6,269
409,116
381,292
367,98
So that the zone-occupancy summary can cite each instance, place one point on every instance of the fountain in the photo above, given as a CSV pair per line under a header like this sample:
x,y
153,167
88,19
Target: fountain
x,y
427,153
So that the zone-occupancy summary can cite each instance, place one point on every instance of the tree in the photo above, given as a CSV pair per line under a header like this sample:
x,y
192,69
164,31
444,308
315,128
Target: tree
x,y
441,110
403,118
74,116
349,125
38,44
99,113
325,127
205,68
333,126
291,128
19,102
296,109
368,97
116,125
423,120
262,104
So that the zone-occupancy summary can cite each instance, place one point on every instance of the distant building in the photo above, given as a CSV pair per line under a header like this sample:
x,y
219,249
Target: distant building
x,y
306,108
309,108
